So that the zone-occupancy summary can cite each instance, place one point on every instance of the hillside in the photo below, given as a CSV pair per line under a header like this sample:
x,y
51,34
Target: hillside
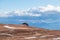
x,y
24,32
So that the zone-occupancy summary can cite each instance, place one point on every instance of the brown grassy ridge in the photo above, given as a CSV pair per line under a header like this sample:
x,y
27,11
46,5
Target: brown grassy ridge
x,y
22,32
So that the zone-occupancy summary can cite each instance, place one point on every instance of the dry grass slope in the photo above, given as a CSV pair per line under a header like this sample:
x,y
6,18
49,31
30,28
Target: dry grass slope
x,y
23,32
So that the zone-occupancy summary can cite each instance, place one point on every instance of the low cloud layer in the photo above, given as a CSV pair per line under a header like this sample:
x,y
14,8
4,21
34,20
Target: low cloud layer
x,y
35,11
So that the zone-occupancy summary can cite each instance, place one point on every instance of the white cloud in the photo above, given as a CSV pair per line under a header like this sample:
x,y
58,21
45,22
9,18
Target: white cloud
x,y
25,13
32,21
30,14
58,9
5,14
47,8
35,11
40,21
18,13
47,21
50,8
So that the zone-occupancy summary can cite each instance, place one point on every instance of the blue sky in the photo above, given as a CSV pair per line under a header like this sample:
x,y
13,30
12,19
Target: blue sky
x,y
24,4
38,13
